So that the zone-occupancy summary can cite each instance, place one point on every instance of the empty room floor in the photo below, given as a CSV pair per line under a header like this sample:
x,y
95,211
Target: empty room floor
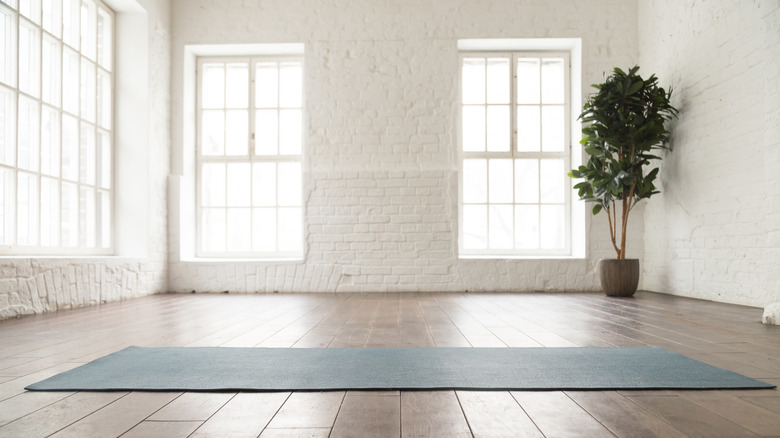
x,y
727,336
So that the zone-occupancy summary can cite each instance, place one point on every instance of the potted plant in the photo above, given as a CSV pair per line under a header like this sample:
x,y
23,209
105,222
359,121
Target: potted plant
x,y
625,125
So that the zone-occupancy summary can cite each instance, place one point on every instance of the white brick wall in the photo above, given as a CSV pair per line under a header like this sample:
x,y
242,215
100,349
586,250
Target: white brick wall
x,y
381,109
714,233
34,285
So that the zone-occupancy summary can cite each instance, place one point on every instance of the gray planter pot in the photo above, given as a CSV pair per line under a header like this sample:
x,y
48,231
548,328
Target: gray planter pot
x,y
619,278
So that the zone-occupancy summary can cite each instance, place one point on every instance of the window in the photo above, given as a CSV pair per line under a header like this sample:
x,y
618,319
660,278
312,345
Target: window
x,y
514,154
250,125
56,92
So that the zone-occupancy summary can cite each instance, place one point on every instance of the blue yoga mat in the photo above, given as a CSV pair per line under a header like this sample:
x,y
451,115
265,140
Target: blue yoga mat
x,y
324,369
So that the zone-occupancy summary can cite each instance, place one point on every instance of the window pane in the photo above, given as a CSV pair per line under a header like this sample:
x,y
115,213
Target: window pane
x,y
266,132
70,81
552,222
104,159
238,185
498,128
290,229
498,80
29,134
552,80
27,209
213,185
213,229
289,185
553,138
104,39
50,142
473,128
104,99
527,226
104,209
7,127
31,9
528,134
238,229
264,229
87,155
473,81
29,58
475,181
289,132
475,226
266,85
500,226
528,80
71,29
51,72
552,179
70,148
526,181
213,89
88,29
237,85
213,132
50,212
264,184
87,217
500,180
290,85
7,47
52,16
70,215
237,132
7,201
88,90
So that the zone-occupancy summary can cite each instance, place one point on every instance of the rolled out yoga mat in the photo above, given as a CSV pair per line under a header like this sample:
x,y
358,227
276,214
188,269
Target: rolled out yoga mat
x,y
324,369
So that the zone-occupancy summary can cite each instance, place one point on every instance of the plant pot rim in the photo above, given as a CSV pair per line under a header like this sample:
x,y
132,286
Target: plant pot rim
x,y
617,260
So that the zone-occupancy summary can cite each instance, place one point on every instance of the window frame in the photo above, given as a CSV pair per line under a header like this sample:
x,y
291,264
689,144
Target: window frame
x,y
514,154
57,105
251,158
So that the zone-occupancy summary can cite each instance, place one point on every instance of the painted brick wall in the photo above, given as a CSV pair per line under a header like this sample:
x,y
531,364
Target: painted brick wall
x,y
35,285
381,109
714,233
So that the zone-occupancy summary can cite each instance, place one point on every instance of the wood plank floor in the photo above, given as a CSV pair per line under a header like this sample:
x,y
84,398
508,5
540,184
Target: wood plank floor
x,y
727,336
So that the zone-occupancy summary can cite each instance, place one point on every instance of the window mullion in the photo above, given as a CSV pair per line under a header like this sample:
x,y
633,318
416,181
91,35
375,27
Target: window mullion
x,y
513,139
251,114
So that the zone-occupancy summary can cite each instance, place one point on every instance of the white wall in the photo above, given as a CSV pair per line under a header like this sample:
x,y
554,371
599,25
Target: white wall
x,y
34,285
714,232
381,107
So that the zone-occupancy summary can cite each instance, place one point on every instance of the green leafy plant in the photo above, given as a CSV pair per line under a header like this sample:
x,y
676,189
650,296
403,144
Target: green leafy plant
x,y
625,125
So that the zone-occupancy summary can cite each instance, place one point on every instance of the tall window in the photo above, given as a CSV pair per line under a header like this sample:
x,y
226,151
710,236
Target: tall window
x,y
56,126
250,122
515,153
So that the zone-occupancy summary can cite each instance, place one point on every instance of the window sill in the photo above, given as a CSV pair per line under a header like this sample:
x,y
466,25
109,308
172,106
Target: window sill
x,y
519,257
85,257
208,260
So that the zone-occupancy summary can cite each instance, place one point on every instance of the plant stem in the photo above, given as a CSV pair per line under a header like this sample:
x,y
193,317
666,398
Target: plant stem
x,y
627,201
613,229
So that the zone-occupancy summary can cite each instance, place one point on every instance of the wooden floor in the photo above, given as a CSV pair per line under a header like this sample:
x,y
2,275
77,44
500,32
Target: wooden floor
x,y
34,348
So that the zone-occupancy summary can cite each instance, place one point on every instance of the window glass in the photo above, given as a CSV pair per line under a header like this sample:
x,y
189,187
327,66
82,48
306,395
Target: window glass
x,y
250,155
514,155
56,136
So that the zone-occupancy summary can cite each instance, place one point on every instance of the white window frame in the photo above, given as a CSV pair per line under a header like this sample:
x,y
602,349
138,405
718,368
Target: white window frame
x,y
251,158
513,55
15,249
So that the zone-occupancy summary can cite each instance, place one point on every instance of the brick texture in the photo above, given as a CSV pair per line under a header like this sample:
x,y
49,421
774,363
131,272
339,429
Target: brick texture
x,y
381,92
35,285
714,233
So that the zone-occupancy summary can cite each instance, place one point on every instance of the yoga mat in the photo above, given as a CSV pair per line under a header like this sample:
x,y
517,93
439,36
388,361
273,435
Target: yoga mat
x,y
324,369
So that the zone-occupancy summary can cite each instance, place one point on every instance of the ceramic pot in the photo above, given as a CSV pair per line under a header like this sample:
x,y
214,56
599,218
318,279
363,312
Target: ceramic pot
x,y
619,278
